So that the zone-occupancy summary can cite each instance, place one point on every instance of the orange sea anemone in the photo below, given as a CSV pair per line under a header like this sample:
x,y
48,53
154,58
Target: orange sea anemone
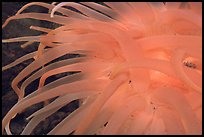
x,y
140,67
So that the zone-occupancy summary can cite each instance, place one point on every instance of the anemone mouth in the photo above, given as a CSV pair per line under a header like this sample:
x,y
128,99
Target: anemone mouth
x,y
137,69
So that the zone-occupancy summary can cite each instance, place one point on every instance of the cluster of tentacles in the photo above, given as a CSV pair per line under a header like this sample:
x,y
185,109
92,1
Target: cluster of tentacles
x,y
140,72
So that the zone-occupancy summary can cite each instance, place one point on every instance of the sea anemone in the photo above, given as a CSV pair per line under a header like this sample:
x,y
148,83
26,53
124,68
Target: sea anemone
x,y
139,69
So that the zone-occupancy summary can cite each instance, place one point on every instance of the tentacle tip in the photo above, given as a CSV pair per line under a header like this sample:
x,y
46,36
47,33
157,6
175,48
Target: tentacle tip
x,y
4,41
3,69
52,14
31,27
